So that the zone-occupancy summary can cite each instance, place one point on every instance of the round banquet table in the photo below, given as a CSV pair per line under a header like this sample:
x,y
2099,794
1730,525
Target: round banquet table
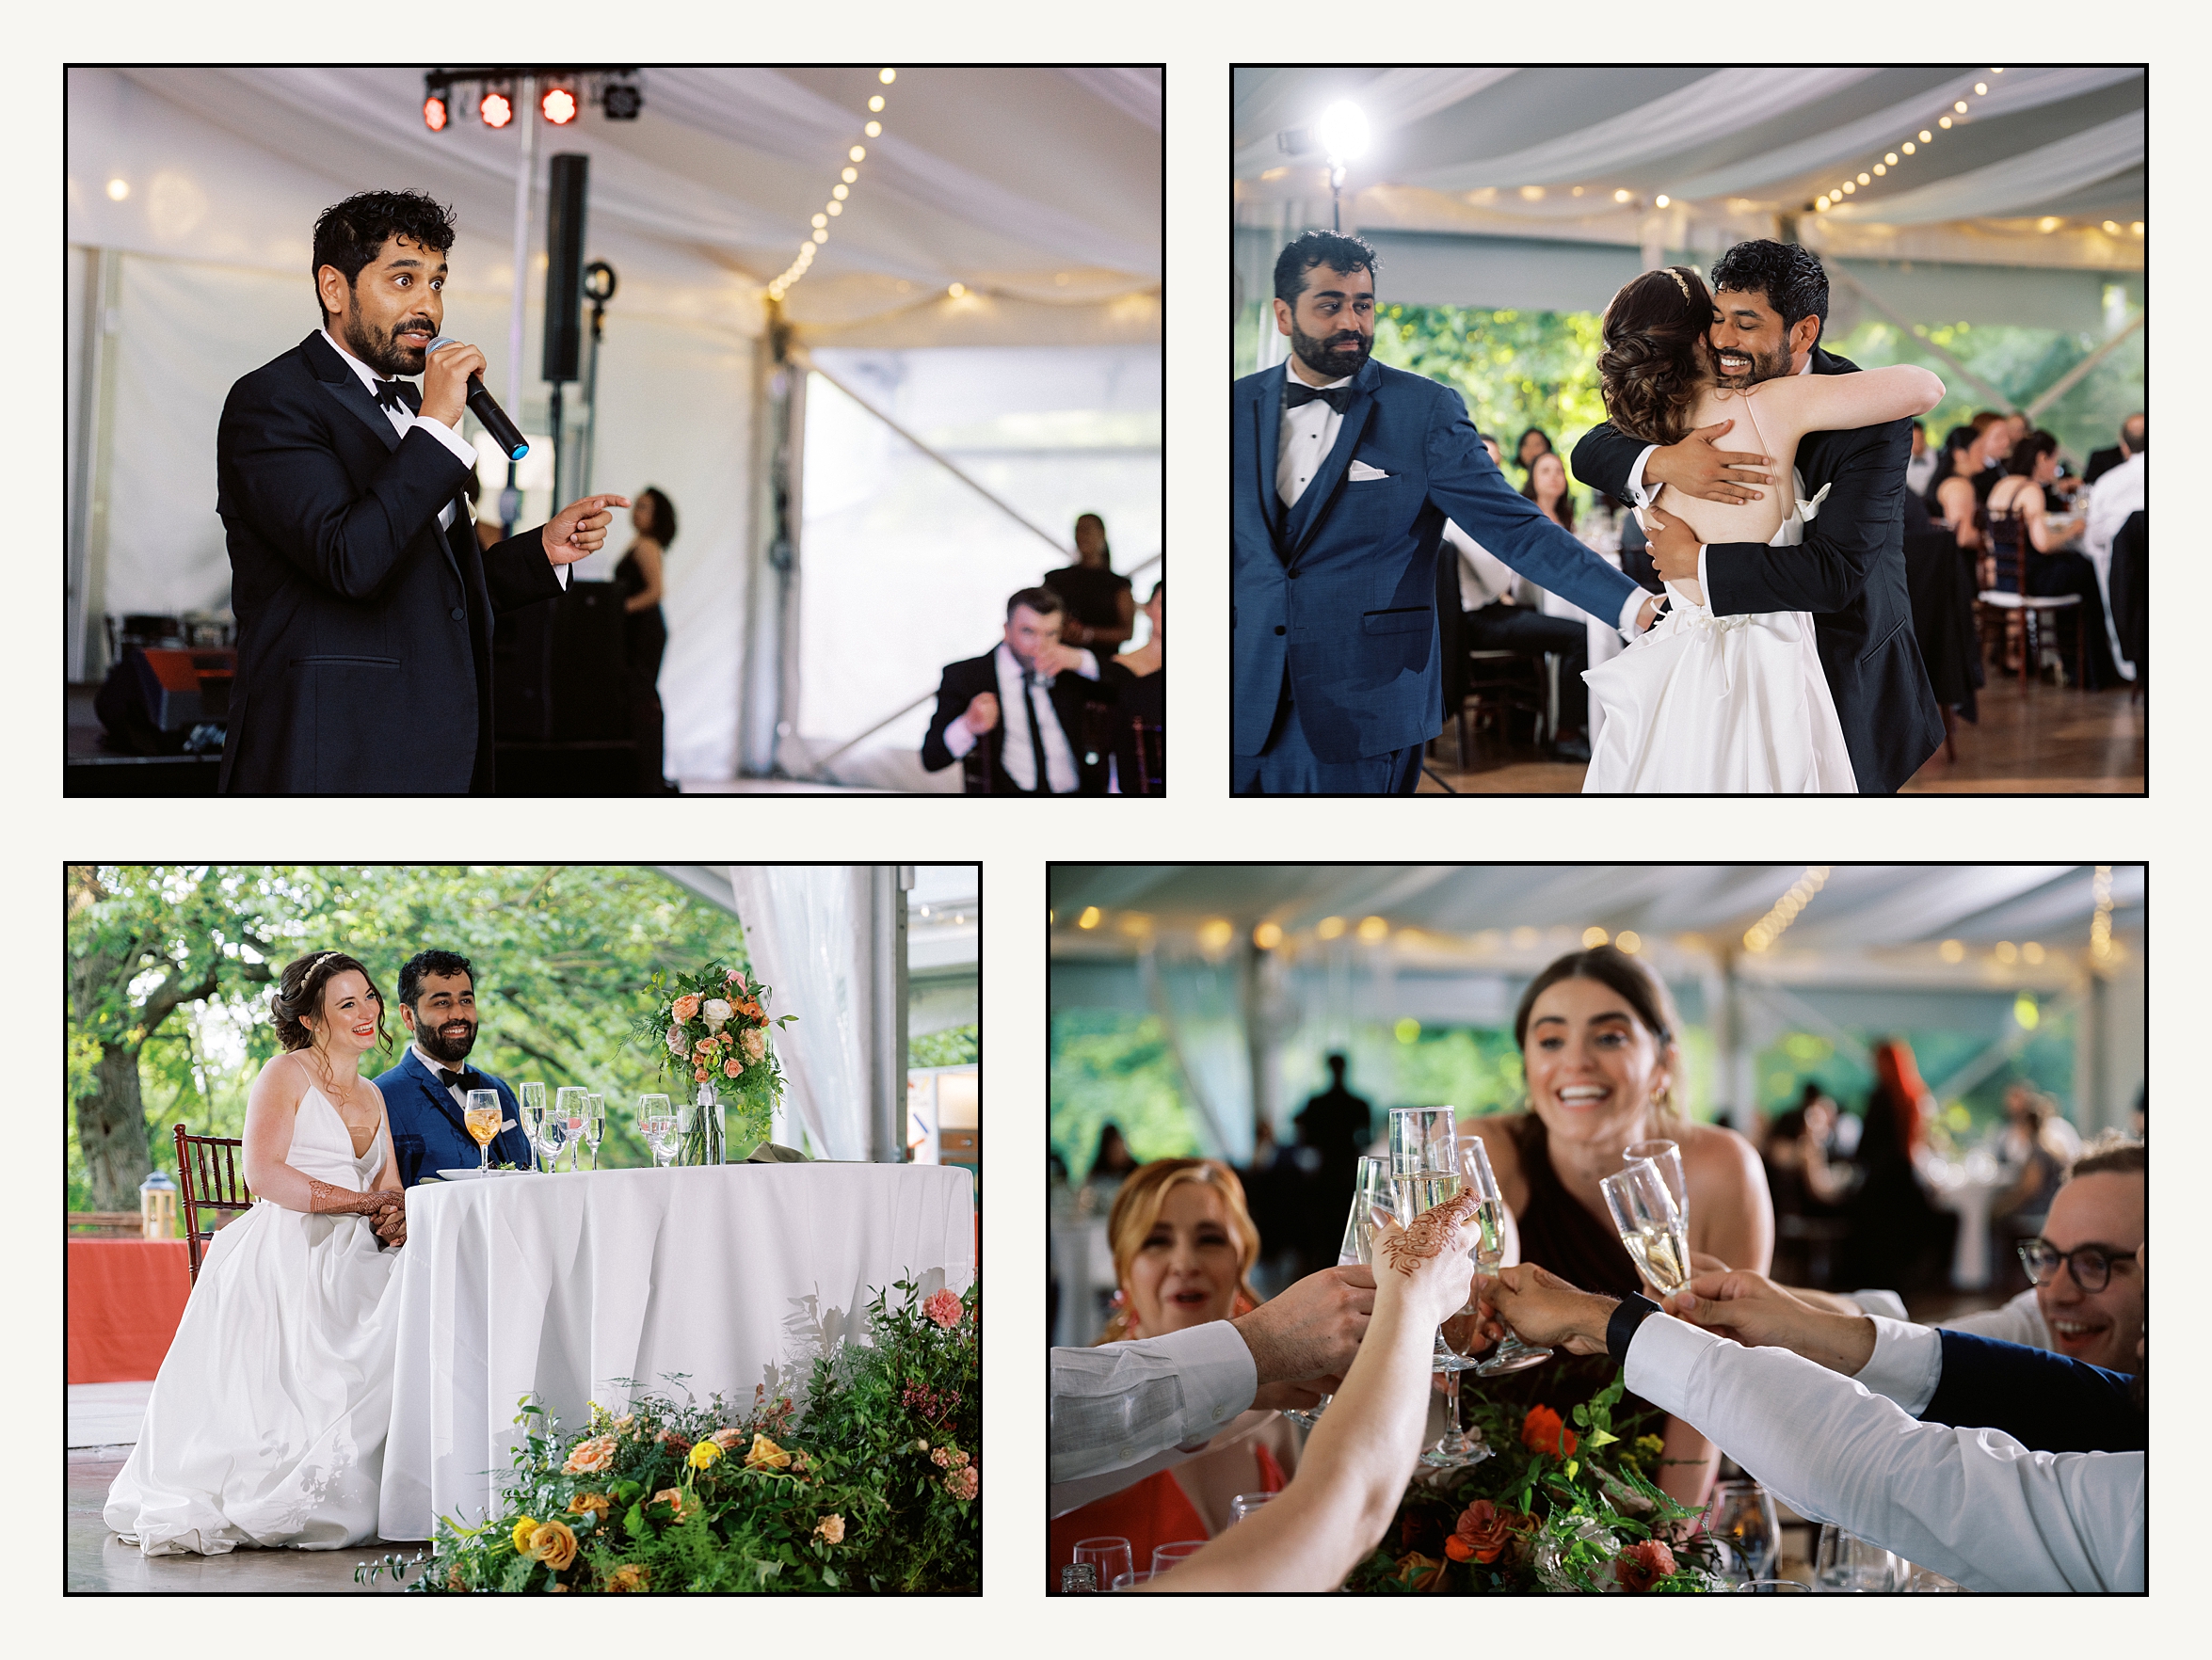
x,y
737,1275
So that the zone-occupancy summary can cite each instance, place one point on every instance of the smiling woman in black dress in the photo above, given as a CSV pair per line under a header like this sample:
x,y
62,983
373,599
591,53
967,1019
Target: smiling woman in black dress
x,y
645,635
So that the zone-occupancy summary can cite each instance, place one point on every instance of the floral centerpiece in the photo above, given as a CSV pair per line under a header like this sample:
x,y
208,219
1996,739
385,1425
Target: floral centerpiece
x,y
715,1025
869,1484
1553,1508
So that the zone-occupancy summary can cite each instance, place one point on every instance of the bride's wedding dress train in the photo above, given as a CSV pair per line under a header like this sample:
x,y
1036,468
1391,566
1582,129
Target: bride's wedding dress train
x,y
266,1425
1705,704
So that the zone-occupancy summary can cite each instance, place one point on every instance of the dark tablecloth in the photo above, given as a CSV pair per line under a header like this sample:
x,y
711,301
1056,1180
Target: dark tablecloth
x,y
1939,578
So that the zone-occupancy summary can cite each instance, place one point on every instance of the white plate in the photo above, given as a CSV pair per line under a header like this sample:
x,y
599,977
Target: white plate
x,y
470,1174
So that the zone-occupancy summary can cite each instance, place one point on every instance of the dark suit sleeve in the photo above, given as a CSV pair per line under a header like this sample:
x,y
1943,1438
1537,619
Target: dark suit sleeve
x,y
1857,520
1605,457
294,489
2044,1401
952,702
517,571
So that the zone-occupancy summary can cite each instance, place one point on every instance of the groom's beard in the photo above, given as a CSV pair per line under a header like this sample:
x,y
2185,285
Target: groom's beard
x,y
1333,356
1772,367
452,1049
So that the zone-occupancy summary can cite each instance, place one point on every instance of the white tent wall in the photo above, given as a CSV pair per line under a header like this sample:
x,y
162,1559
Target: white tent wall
x,y
905,569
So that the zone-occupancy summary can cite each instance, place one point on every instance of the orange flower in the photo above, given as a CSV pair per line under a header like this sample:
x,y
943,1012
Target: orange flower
x,y
766,1455
1641,1563
1544,1430
1419,1572
686,1007
589,1457
591,1504
631,1576
676,1499
551,1543
1484,1532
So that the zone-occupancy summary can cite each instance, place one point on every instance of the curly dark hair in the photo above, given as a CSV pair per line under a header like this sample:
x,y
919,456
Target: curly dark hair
x,y
1651,370
1319,247
352,233
446,963
299,995
1791,278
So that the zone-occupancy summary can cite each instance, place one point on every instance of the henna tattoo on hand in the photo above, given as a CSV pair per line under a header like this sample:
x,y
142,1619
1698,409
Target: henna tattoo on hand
x,y
1431,1231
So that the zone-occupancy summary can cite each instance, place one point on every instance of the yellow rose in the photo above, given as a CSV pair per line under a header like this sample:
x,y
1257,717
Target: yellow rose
x,y
591,1504
523,1529
553,1545
703,1453
830,1530
631,1576
765,1454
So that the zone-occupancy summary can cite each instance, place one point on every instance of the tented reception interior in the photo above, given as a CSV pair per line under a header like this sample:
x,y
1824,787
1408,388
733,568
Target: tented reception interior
x,y
1193,1006
863,469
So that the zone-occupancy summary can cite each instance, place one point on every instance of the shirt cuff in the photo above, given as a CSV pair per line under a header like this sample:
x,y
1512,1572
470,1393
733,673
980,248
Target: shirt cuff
x,y
1629,607
1219,1377
1086,663
459,447
561,572
1638,495
1885,1305
959,738
1906,1366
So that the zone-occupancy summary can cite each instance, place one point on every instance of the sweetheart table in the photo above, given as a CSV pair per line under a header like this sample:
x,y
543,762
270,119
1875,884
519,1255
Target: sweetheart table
x,y
737,1275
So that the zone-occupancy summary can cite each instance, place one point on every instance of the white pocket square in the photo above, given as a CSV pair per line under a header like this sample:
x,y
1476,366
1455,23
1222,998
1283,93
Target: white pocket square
x,y
1360,470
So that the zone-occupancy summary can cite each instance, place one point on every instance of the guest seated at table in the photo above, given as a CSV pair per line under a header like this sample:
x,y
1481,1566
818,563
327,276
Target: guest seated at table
x,y
1022,704
2118,495
1348,1488
1492,617
1920,467
1534,443
1546,486
428,1092
2020,525
1597,1031
1138,680
1964,477
2131,443
1967,1501
1183,1246
267,1420
1898,1237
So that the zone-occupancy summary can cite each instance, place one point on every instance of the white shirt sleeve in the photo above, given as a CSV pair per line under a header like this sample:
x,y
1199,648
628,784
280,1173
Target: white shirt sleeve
x,y
1086,663
462,450
2018,1321
1906,1364
1972,1504
1122,1403
1629,607
959,738
1888,1305
1638,495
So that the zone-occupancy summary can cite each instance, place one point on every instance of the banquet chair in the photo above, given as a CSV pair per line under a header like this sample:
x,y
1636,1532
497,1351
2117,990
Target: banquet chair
x,y
1501,684
2032,608
1150,740
210,1176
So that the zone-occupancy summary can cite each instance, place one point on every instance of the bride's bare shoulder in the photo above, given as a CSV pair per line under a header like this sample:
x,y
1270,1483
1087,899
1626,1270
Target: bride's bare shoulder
x,y
283,1082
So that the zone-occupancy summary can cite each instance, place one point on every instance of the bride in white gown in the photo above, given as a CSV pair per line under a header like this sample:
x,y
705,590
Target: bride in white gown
x,y
266,1424
1713,705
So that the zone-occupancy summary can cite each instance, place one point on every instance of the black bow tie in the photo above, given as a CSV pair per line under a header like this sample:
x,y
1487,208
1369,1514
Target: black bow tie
x,y
1298,395
458,1080
393,395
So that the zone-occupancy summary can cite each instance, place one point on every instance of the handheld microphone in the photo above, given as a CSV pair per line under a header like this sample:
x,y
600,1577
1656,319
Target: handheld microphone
x,y
486,409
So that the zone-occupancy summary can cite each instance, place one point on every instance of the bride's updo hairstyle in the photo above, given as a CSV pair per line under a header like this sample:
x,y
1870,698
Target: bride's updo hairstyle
x,y
299,995
1651,371
1644,993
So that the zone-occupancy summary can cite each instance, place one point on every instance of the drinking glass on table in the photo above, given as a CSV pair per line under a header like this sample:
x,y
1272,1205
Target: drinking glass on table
x,y
1109,1554
657,1125
482,1115
1370,1192
1169,1555
1650,1226
1512,1355
1668,1157
1131,1581
570,1106
1843,1562
595,1125
1741,1520
1771,1588
532,1109
1247,1504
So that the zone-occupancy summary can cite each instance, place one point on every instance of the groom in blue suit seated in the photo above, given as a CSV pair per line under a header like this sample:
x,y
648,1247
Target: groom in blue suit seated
x,y
1342,473
425,1094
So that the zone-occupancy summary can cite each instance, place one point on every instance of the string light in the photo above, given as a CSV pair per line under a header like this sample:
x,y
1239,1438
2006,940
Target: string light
x,y
1890,158
2100,924
782,283
1761,935
1330,928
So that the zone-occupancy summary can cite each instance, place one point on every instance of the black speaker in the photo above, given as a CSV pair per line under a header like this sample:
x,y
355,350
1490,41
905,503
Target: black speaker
x,y
557,669
564,268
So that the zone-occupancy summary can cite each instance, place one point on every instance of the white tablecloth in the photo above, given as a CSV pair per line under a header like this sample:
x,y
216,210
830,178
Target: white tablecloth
x,y
739,1275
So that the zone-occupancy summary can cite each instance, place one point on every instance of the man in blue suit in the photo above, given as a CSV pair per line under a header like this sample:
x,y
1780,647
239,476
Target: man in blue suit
x,y
1342,475
425,1094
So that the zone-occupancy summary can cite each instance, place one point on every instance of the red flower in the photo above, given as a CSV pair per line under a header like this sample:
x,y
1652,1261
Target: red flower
x,y
1421,1573
1484,1532
1544,1430
1643,1563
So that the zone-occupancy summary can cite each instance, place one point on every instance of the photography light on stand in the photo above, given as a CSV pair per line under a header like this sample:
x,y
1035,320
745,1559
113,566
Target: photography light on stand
x,y
1344,134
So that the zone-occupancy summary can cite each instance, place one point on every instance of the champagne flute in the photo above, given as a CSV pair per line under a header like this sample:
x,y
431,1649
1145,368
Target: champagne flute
x,y
533,1110
1512,1355
482,1117
1424,1170
1649,1224
1370,1191
595,1125
1668,1157
570,1104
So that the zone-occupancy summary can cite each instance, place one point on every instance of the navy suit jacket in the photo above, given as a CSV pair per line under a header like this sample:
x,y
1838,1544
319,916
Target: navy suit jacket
x,y
1338,595
2046,1402
428,1134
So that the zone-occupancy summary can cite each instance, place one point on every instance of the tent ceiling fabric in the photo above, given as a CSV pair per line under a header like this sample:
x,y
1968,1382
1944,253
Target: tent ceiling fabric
x,y
1861,905
1731,147
1037,189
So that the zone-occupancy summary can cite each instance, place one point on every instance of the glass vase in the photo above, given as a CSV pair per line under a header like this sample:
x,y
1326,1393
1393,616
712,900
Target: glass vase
x,y
704,1129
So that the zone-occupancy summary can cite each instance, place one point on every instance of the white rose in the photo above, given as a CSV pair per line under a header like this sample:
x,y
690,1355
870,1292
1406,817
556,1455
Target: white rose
x,y
716,1013
679,1046
755,1045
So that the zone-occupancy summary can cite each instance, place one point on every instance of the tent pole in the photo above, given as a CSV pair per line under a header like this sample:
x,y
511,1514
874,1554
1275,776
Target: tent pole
x,y
2064,384
1867,295
760,716
87,641
510,501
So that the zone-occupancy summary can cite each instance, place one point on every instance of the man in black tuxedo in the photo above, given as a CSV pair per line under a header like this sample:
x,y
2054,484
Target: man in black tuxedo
x,y
1022,704
365,606
2131,443
1771,301
426,1095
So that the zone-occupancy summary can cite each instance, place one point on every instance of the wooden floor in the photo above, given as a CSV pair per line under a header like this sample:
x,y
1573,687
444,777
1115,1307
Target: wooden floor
x,y
2036,740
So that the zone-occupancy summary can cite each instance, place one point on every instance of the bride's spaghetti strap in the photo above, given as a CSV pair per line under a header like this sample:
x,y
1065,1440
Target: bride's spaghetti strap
x,y
1743,394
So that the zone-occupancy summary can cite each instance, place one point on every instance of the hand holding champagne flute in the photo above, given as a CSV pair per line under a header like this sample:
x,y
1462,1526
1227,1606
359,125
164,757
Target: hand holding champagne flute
x,y
482,1118
1512,1355
1650,1224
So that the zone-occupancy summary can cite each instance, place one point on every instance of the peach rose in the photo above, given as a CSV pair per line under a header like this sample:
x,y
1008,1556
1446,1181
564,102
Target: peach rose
x,y
631,1576
589,1457
830,1530
554,1545
732,1067
727,1439
766,1455
943,1308
686,1007
701,1075
735,977
1643,1563
753,1046
677,1500
703,1049
962,1483
595,1505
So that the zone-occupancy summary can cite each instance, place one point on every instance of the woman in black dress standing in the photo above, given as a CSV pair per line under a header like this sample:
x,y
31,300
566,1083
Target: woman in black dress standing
x,y
1102,609
1139,679
645,633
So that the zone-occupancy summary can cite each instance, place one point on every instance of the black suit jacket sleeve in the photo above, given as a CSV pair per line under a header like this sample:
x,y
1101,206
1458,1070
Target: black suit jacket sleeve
x,y
1604,457
294,489
954,692
1857,522
516,572
2044,1401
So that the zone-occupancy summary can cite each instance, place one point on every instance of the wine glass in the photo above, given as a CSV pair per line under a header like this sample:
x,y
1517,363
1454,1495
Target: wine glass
x,y
1742,1517
1171,1554
595,1125
482,1116
1109,1554
1247,1504
1370,1191
657,1125
1771,1588
1649,1224
1512,1355
1668,1157
1134,1578
1846,1563
532,1109
570,1106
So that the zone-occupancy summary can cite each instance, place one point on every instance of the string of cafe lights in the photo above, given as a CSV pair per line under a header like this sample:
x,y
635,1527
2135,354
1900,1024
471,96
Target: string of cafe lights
x,y
1761,935
1913,146
784,280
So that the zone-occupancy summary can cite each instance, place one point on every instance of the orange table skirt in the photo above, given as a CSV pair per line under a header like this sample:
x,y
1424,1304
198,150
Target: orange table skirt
x,y
126,1297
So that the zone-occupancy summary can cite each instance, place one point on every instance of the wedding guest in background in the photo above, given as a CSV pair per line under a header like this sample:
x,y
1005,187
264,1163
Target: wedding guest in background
x,y
645,631
1920,470
1534,443
1898,1237
426,1093
1102,608
1139,682
1113,1164
2131,443
1024,703
2118,494
1492,618
1548,488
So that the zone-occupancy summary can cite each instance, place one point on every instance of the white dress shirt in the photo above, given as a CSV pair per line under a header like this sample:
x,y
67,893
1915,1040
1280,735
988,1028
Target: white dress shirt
x,y
1972,1504
2018,1321
2111,499
1122,1412
435,1066
1015,755
1310,433
404,421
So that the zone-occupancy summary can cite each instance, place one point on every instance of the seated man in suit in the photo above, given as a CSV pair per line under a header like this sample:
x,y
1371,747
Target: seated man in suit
x,y
1494,618
2131,443
1024,703
425,1094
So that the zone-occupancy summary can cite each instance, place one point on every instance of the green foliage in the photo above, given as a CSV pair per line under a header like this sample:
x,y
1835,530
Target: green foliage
x,y
1514,369
871,1485
2042,1059
1109,1066
957,1046
715,1044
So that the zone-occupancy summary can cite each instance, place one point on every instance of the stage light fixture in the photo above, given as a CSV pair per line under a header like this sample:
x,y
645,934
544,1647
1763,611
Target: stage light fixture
x,y
496,109
558,105
621,98
435,114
